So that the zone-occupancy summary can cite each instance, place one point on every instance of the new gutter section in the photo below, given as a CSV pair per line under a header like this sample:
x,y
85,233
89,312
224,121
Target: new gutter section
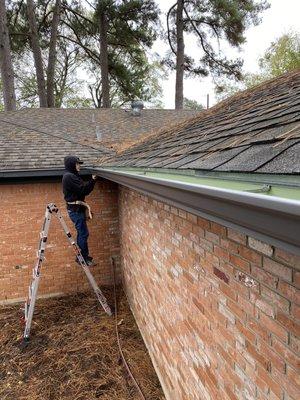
x,y
274,220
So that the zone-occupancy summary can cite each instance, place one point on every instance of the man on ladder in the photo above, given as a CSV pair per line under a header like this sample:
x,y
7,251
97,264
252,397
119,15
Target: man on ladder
x,y
75,190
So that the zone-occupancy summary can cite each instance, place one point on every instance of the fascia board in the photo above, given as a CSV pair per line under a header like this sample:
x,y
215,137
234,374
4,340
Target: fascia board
x,y
34,173
273,220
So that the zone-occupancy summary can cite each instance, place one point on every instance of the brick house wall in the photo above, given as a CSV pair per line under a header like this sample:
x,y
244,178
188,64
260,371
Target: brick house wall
x,y
218,310
22,215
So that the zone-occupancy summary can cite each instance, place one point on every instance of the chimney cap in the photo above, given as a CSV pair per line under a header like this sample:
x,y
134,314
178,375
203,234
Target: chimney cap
x,y
137,104
98,133
136,107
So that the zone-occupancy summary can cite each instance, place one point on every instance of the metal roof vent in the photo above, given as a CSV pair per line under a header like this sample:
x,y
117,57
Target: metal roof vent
x,y
136,107
98,133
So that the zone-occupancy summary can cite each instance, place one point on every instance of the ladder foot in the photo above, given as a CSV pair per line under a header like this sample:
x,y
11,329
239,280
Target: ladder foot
x,y
24,343
110,311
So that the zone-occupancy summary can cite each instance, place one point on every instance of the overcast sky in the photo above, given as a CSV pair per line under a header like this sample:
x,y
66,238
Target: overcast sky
x,y
282,16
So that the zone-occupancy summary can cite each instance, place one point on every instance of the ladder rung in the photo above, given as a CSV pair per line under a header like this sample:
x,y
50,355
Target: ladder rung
x,y
26,311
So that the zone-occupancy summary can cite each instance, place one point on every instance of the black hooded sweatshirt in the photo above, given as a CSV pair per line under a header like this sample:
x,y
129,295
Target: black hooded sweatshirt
x,y
74,187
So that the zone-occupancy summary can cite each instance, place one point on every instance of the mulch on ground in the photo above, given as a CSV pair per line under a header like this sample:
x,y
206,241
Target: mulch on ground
x,y
73,352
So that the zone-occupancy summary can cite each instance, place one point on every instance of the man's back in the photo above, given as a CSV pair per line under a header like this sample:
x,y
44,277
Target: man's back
x,y
74,188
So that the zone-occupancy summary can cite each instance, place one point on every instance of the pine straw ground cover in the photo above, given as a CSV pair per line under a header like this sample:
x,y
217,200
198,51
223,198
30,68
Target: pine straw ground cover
x,y
73,353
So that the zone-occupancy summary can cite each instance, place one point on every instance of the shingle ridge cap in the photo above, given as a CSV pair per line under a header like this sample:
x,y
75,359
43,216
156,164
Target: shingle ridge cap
x,y
45,109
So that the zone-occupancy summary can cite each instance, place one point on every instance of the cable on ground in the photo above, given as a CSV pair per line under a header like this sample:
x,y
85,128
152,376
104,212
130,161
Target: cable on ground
x,y
140,392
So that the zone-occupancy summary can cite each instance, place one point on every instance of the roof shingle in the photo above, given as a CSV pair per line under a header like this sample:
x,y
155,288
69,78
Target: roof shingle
x,y
255,131
40,138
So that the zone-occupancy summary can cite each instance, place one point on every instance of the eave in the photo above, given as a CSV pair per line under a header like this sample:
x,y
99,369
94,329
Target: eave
x,y
7,176
274,220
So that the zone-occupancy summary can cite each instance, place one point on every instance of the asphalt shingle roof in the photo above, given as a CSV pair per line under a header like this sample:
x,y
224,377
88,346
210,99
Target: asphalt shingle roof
x,y
40,138
255,131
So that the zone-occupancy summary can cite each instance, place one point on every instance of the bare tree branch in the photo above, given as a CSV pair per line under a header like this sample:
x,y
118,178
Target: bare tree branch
x,y
210,56
168,28
88,51
65,7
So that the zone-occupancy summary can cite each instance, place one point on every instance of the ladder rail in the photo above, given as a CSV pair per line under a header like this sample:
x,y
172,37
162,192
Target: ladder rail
x,y
52,209
98,292
33,288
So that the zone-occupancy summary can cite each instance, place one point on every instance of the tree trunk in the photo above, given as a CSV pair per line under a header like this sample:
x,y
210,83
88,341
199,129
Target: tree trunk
x,y
104,60
37,54
179,56
7,73
52,55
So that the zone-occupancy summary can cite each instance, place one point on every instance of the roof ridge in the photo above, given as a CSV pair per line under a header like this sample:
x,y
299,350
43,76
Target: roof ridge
x,y
51,109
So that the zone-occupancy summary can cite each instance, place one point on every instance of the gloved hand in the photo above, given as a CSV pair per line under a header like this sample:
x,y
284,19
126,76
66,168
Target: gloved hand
x,y
94,177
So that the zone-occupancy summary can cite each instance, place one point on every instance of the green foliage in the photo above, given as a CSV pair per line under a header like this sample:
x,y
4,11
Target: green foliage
x,y
213,21
282,56
66,83
132,30
131,22
141,83
18,23
189,104
75,101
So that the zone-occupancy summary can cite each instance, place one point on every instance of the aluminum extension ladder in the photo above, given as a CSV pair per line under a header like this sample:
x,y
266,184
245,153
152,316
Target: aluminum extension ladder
x,y
51,209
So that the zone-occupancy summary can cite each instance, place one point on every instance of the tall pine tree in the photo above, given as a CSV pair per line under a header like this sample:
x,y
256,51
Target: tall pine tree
x,y
37,53
113,38
6,67
53,54
34,27
123,30
210,21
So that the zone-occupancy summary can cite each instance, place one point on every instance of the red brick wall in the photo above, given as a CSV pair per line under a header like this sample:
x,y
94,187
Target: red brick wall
x,y
22,215
218,310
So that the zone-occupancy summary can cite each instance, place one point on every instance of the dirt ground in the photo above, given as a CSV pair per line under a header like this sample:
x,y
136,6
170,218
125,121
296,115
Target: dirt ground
x,y
73,353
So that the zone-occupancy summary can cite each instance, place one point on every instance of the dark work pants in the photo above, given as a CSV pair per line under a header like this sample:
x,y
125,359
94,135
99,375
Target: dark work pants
x,y
79,220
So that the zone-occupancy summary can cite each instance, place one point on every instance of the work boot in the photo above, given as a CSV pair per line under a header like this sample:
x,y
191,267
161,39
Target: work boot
x,y
78,262
91,263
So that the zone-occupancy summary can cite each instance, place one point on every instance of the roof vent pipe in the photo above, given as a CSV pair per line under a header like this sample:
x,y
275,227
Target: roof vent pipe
x,y
136,107
98,133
